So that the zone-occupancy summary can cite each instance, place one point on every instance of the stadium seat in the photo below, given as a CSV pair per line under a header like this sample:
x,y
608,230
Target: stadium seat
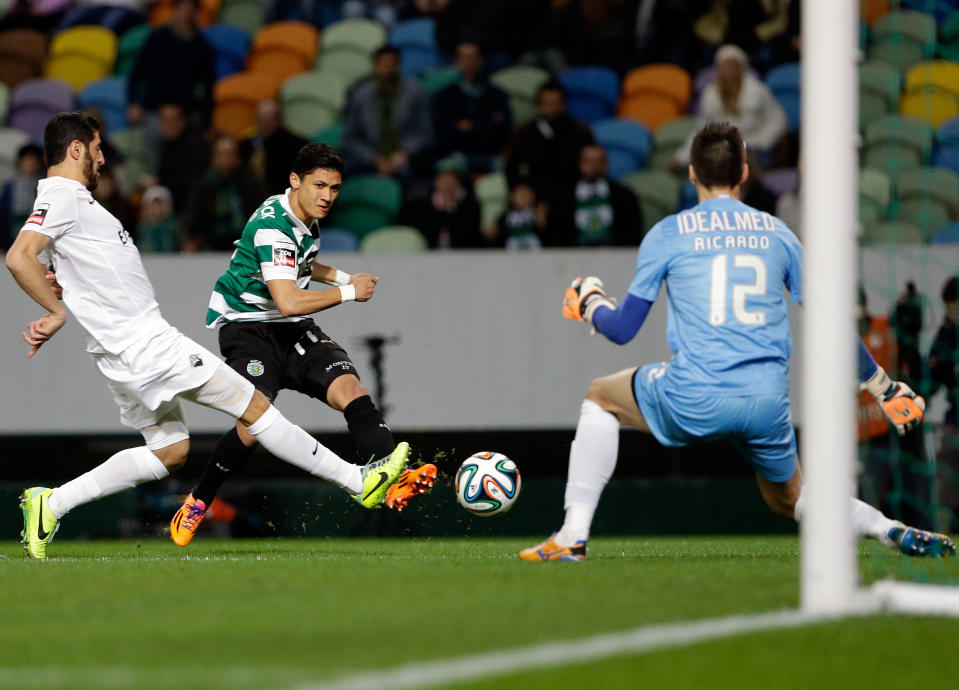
x,y
926,197
897,143
591,92
780,180
655,94
81,55
283,49
930,105
231,46
947,157
875,192
109,96
338,240
4,101
162,10
891,232
948,48
330,135
129,47
668,138
934,74
624,137
939,9
22,54
246,15
948,234
871,10
358,35
521,84
879,85
235,99
492,193
783,81
11,140
116,18
393,239
367,203
658,191
902,38
34,102
131,145
312,101
416,41
350,65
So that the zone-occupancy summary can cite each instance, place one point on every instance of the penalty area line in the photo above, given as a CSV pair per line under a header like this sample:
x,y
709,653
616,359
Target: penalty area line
x,y
564,653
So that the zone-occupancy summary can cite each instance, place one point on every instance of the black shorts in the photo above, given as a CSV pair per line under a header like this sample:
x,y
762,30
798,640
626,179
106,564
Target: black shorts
x,y
283,355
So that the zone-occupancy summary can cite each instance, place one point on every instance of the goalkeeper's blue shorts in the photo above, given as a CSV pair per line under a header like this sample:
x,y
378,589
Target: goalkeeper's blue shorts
x,y
760,426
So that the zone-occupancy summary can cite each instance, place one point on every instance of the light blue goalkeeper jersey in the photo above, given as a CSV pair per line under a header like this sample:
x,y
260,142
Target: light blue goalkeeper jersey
x,y
726,266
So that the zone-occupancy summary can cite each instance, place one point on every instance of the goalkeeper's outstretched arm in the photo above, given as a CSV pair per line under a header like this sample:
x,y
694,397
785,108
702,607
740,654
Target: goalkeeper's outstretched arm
x,y
898,401
621,324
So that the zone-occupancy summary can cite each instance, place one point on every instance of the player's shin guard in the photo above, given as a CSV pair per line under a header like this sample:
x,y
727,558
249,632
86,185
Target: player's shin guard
x,y
371,435
290,443
592,459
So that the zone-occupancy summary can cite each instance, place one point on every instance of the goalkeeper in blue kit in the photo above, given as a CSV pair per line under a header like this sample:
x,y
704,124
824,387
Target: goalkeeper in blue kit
x,y
725,265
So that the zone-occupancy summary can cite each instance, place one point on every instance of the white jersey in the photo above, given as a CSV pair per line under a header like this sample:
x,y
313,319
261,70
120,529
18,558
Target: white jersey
x,y
104,283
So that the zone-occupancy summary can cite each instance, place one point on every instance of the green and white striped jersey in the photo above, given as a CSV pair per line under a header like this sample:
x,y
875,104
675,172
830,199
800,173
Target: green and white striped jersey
x,y
275,245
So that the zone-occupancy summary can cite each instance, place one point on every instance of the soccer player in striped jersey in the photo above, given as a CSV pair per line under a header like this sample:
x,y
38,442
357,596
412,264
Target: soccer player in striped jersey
x,y
150,367
262,305
725,266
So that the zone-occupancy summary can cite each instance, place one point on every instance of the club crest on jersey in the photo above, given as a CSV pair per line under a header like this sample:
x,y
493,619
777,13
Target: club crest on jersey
x,y
255,368
39,214
284,256
195,361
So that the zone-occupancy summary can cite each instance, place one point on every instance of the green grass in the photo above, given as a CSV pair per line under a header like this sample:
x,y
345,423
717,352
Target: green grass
x,y
279,613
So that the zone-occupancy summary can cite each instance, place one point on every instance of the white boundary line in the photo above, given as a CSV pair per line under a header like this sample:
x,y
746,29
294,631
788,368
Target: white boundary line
x,y
552,654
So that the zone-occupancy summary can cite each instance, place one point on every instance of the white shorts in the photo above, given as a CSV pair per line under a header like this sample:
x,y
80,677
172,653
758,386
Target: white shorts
x,y
149,379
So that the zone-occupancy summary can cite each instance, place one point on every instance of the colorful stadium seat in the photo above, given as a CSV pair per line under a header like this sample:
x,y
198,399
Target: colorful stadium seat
x,y
891,232
879,86
655,94
116,18
521,84
592,92
109,96
129,47
34,102
235,98
246,15
283,49
939,9
902,38
668,138
896,143
231,46
357,35
627,140
658,191
492,193
416,41
948,47
947,234
367,203
926,197
22,54
81,54
338,240
162,10
932,91
875,193
312,101
393,239
783,81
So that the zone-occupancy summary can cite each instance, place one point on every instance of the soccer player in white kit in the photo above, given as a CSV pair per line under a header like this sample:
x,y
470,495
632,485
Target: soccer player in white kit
x,y
150,367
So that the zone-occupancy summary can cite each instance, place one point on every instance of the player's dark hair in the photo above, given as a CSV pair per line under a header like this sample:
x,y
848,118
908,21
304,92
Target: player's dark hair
x,y
949,291
718,155
317,155
64,128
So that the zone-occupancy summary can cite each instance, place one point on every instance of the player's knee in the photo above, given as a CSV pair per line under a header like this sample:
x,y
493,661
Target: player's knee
x,y
174,456
598,392
259,404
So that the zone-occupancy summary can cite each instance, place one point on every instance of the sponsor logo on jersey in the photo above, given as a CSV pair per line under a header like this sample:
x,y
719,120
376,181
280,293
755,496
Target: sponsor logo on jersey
x,y
284,256
39,214
255,368
195,361
343,364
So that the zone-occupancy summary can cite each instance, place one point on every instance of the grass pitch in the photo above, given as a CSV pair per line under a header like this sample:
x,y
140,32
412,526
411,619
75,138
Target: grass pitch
x,y
298,613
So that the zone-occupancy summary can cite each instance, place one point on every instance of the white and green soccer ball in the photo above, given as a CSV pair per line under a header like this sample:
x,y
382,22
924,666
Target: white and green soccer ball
x,y
487,483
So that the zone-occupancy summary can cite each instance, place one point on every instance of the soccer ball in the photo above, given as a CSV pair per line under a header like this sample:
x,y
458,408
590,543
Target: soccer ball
x,y
487,483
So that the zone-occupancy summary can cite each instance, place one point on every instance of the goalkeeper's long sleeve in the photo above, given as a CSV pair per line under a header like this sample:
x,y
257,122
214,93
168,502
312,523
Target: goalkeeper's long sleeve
x,y
867,365
621,324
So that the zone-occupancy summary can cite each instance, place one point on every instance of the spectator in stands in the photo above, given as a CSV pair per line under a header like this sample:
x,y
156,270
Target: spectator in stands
x,y
175,65
545,151
156,231
183,155
737,97
594,210
19,193
449,217
222,202
387,128
522,223
269,152
472,116
944,372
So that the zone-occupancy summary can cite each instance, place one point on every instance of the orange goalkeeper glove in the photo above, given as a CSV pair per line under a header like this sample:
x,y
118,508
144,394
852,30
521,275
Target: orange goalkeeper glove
x,y
583,297
898,401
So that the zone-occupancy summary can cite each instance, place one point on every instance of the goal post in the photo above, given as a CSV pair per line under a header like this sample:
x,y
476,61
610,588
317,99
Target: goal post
x,y
829,162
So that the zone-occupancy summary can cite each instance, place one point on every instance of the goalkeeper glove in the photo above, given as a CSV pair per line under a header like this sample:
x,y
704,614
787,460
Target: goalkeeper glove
x,y
583,297
898,401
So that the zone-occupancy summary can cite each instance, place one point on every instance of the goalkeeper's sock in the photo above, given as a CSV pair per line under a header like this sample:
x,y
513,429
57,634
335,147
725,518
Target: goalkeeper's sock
x,y
120,471
866,520
290,443
592,459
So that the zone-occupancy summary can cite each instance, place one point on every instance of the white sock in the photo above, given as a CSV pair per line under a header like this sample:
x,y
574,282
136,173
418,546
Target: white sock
x,y
123,470
289,442
866,520
592,459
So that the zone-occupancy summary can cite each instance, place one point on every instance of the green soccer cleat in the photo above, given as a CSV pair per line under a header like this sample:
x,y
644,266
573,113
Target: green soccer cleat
x,y
39,524
379,475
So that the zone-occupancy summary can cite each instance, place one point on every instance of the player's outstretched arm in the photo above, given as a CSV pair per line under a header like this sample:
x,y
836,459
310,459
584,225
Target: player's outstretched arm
x,y
292,301
586,300
898,401
31,276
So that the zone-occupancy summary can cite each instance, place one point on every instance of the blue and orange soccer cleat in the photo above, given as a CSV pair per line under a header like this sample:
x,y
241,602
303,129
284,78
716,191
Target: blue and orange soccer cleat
x,y
412,482
919,542
549,550
187,520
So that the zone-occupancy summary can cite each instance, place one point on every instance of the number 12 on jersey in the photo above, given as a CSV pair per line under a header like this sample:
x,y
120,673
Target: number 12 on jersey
x,y
719,284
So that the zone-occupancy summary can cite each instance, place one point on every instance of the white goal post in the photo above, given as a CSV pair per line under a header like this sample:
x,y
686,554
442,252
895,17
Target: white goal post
x,y
829,163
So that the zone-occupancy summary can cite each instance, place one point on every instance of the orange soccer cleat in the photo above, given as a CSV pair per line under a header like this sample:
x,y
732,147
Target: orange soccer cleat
x,y
549,550
186,521
411,483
